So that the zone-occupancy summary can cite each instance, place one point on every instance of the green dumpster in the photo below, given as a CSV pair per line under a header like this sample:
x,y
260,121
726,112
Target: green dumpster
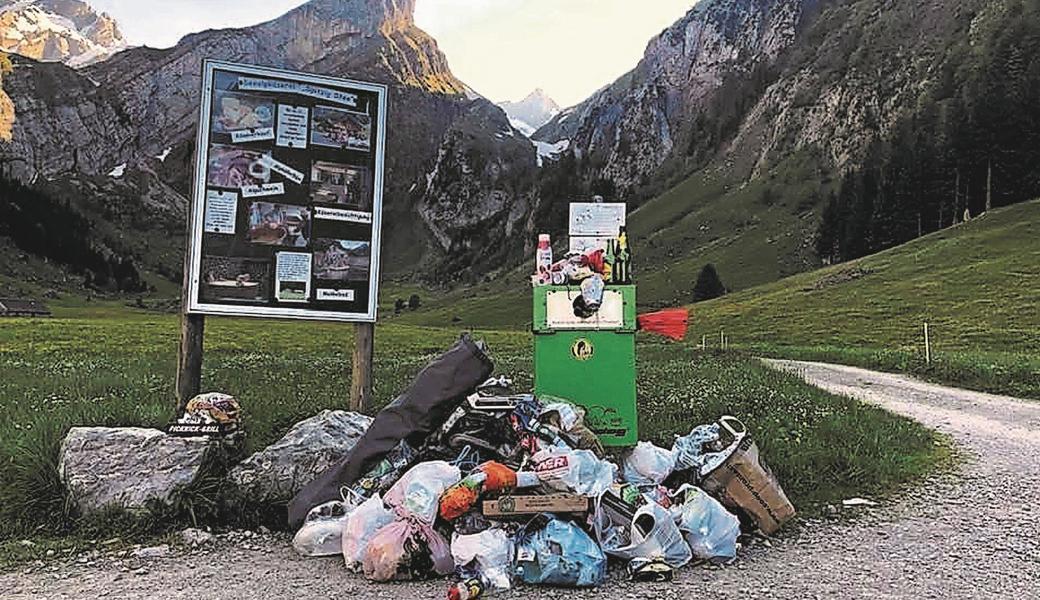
x,y
591,362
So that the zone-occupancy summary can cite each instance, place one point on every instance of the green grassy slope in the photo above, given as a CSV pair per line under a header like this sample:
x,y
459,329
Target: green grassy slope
x,y
977,285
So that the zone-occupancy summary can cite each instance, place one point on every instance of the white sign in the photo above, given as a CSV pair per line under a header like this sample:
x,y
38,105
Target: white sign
x,y
221,210
559,311
339,214
336,295
292,126
596,219
267,189
282,169
252,135
296,87
292,277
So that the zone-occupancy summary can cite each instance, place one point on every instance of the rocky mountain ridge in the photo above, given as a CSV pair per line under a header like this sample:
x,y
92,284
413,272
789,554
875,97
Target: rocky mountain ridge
x,y
115,118
67,31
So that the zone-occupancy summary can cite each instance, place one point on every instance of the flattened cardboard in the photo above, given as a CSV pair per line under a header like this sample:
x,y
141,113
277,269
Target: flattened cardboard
x,y
531,505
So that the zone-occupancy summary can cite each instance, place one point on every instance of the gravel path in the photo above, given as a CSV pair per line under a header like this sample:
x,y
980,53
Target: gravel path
x,y
974,535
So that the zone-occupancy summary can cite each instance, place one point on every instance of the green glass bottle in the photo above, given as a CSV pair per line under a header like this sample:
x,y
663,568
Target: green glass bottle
x,y
609,259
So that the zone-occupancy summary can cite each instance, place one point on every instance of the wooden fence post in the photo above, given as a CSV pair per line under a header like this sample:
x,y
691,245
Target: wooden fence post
x,y
361,376
927,345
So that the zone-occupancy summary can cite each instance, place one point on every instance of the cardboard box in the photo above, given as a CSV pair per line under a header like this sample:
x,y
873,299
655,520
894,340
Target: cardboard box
x,y
509,506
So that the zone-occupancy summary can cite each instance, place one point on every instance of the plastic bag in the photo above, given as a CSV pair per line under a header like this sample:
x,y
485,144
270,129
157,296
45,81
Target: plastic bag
x,y
322,531
647,465
361,526
492,551
652,535
570,419
419,490
709,529
577,471
408,548
555,552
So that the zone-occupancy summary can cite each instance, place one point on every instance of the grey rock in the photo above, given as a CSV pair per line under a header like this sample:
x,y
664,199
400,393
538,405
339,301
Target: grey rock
x,y
196,537
275,474
152,552
128,468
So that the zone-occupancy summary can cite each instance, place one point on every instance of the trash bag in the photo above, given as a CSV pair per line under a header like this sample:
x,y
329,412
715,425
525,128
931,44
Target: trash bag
x,y
551,551
743,480
709,529
418,491
689,450
570,419
651,536
361,526
577,471
436,391
409,548
492,553
647,465
322,531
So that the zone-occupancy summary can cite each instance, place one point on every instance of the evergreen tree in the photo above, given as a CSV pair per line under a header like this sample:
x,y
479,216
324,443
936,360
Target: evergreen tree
x,y
708,285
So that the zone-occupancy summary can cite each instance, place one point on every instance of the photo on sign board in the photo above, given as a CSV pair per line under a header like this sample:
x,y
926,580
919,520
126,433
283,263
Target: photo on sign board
x,y
292,277
338,128
231,279
235,111
279,224
342,260
233,167
335,183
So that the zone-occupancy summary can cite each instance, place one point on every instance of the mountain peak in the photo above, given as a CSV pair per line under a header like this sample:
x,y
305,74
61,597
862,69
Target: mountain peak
x,y
535,110
68,31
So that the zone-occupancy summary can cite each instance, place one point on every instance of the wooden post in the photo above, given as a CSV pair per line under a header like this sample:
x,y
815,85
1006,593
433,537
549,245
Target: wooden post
x,y
189,362
722,339
189,358
704,342
361,377
927,346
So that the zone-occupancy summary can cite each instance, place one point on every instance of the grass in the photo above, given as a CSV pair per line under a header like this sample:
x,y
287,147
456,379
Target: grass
x,y
109,365
976,285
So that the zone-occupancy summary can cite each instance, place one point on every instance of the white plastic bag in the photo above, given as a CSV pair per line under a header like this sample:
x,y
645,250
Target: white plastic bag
x,y
647,465
322,531
492,550
709,529
361,527
577,471
652,535
418,491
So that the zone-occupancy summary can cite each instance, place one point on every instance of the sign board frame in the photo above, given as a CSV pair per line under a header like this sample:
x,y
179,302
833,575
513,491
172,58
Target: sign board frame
x,y
309,89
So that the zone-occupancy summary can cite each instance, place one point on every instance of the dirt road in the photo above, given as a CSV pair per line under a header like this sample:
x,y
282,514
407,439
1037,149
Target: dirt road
x,y
973,535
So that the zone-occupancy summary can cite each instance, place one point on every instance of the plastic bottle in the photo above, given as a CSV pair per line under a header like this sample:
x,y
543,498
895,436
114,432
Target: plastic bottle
x,y
623,261
608,262
544,259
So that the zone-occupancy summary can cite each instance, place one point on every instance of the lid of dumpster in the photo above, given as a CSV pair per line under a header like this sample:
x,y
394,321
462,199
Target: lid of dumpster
x,y
554,310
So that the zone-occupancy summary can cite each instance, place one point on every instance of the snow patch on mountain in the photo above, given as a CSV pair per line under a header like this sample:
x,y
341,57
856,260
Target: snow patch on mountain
x,y
550,151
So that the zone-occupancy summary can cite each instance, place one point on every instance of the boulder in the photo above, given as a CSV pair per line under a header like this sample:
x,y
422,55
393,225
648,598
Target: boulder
x,y
128,468
275,474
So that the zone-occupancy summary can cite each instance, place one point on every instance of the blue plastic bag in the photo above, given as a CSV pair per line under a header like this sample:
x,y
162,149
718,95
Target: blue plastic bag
x,y
709,529
550,551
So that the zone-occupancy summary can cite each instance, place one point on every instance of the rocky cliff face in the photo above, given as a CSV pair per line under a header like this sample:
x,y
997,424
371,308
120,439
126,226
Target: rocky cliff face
x,y
143,103
631,127
478,197
67,31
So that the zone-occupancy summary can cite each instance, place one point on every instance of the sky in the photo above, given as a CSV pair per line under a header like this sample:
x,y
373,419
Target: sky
x,y
501,48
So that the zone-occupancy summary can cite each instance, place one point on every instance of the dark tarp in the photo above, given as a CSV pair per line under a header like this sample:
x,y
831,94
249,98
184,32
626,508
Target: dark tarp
x,y
437,390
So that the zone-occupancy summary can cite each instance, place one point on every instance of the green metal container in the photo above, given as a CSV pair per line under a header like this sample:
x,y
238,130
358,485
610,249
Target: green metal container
x,y
591,362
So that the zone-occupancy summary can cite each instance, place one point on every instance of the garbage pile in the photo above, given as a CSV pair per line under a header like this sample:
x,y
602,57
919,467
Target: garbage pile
x,y
461,476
